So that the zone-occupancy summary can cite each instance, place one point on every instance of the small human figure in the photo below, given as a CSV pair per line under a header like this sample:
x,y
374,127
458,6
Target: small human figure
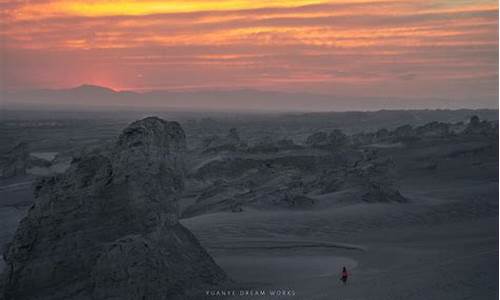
x,y
344,275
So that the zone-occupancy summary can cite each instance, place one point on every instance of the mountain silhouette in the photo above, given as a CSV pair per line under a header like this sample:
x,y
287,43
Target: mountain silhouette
x,y
95,97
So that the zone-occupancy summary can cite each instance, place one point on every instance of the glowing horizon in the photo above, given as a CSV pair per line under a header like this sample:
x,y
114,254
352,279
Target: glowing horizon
x,y
438,48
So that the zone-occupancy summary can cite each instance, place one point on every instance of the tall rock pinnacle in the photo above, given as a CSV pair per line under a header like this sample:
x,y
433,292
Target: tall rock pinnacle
x,y
108,227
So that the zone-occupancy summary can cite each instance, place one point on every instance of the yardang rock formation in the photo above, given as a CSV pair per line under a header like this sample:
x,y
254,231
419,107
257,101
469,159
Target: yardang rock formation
x,y
108,227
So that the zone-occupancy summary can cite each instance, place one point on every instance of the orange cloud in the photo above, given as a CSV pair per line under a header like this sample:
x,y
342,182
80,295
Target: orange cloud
x,y
94,8
278,44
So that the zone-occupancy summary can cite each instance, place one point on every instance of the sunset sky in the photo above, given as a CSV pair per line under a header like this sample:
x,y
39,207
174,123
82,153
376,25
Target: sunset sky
x,y
435,48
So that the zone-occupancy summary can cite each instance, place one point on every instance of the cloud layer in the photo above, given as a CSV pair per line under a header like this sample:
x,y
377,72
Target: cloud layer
x,y
437,48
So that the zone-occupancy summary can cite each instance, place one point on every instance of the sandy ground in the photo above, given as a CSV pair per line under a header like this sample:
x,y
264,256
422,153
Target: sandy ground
x,y
442,245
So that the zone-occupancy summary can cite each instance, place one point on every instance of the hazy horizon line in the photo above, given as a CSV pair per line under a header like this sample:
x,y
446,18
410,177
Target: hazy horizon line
x,y
95,97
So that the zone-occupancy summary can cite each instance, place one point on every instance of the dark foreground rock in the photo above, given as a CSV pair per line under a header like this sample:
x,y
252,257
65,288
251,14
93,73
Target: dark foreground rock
x,y
15,162
108,227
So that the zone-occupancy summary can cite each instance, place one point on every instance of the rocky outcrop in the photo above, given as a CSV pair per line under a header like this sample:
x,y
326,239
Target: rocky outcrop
x,y
377,182
231,142
382,192
335,138
295,196
233,136
481,128
16,161
434,129
108,228
317,139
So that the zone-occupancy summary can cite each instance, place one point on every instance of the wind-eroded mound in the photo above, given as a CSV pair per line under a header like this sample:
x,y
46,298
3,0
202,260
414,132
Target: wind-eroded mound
x,y
108,228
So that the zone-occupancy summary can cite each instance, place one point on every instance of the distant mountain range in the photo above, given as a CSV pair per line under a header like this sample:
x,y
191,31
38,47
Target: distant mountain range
x,y
93,97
